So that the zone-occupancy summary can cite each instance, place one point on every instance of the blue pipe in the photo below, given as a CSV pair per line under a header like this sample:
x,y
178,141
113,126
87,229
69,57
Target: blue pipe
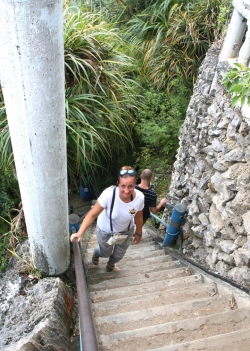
x,y
175,222
159,219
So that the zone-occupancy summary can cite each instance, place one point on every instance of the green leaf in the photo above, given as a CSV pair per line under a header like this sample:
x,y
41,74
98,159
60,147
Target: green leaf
x,y
236,88
235,100
242,100
241,66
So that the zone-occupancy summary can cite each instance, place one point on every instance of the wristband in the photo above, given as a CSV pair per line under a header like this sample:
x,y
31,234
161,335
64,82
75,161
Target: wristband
x,y
138,234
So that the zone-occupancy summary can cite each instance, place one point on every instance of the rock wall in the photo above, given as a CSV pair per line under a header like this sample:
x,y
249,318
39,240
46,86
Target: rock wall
x,y
211,177
35,314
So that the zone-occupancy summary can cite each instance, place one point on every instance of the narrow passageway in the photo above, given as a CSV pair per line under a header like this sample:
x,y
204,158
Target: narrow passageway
x,y
158,302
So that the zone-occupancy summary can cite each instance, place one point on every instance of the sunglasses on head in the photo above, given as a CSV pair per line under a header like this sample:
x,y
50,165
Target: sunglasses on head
x,y
130,172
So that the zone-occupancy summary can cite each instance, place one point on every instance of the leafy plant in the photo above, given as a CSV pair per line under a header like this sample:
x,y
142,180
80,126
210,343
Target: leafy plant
x,y
13,233
4,244
225,10
157,131
100,96
6,155
9,193
237,82
120,11
159,122
173,37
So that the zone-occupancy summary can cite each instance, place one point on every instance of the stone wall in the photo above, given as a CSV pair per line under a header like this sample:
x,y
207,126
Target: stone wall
x,y
211,177
36,314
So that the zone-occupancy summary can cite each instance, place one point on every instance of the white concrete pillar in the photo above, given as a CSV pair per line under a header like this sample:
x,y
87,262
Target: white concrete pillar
x,y
32,79
234,36
244,52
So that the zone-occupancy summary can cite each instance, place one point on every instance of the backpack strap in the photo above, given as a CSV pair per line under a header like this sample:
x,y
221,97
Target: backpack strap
x,y
111,209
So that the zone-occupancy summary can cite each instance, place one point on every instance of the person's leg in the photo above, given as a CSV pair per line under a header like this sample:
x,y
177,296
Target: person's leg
x,y
104,249
120,250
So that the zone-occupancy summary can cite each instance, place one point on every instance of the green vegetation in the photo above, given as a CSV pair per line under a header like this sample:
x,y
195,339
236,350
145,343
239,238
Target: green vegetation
x,y
237,82
9,191
100,96
158,43
172,37
223,17
159,121
130,66
12,223
10,197
13,231
4,244
27,266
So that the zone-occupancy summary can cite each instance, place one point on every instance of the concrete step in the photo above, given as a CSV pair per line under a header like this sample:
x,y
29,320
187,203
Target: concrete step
x,y
132,249
151,250
99,283
154,315
164,297
125,265
159,302
146,338
98,273
129,255
146,240
152,287
234,341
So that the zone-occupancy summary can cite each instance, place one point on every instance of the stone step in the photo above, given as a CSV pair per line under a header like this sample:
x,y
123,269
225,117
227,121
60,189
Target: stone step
x,y
159,298
234,341
157,302
125,265
146,338
132,249
98,273
146,288
151,250
146,240
137,279
154,315
131,255
143,243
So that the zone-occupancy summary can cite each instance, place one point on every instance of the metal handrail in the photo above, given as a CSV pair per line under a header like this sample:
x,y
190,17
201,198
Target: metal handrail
x,y
88,340
159,219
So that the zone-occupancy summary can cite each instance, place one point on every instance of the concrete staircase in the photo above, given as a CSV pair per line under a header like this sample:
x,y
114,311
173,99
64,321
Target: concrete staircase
x,y
157,302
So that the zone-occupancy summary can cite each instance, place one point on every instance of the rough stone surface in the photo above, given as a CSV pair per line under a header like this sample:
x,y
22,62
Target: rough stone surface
x,y
35,314
211,176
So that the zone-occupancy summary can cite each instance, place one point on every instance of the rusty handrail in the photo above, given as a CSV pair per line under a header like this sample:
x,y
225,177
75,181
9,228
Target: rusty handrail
x,y
88,340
